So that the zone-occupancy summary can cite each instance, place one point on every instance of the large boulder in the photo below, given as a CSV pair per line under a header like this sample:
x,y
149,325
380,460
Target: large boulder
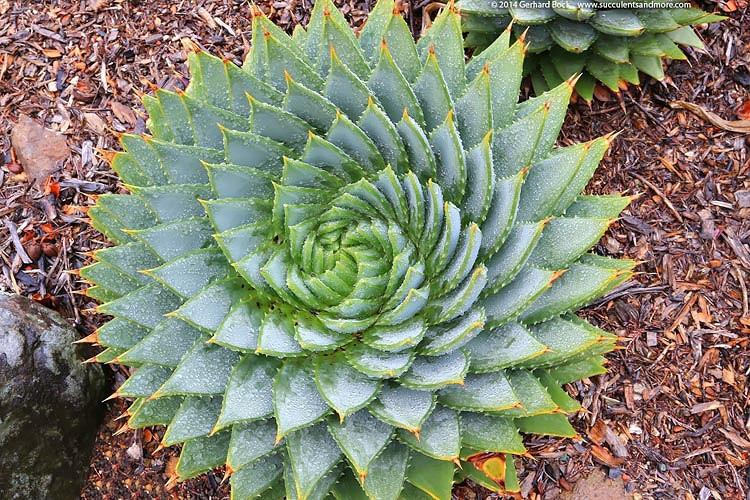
x,y
49,404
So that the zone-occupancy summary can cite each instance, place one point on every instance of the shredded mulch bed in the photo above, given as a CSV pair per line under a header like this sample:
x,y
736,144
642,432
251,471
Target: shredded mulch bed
x,y
670,419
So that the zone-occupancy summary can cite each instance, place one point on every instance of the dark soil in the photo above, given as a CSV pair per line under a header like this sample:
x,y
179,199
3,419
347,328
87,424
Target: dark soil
x,y
671,417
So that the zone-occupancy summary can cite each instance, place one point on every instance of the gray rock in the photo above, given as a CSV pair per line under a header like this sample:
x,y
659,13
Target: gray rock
x,y
49,404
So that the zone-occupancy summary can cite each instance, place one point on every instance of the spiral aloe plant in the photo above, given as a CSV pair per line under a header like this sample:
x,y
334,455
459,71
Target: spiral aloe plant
x,y
350,265
572,36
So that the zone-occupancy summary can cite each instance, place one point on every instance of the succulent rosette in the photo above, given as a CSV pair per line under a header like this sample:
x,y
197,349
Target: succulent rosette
x,y
574,36
350,266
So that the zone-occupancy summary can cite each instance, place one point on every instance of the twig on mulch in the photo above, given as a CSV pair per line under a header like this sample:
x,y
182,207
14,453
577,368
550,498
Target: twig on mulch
x,y
741,126
660,193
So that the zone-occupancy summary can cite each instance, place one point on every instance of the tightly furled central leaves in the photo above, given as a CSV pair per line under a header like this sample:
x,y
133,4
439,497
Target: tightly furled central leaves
x,y
354,252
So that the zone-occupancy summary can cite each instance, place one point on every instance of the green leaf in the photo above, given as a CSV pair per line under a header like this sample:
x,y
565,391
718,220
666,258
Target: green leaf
x,y
440,437
190,273
526,16
574,10
145,306
445,39
313,336
248,394
253,150
398,337
394,93
144,381
480,182
278,125
361,437
572,36
657,20
352,140
433,372
312,454
402,407
121,333
130,258
382,131
276,337
486,392
130,211
240,328
462,298
490,433
344,389
174,239
513,299
577,370
619,22
376,363
164,345
413,493
296,400
501,214
686,36
605,71
249,442
502,347
578,286
602,206
348,488
432,92
534,398
345,90
434,477
194,418
566,338
474,111
204,369
565,239
451,162
180,121
613,48
421,158
558,395
503,266
210,306
383,24
385,476
202,454
650,65
255,478
446,338
154,412
547,425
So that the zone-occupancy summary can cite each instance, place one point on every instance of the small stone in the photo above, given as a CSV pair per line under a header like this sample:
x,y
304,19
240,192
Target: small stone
x,y
49,404
33,249
615,473
743,198
596,486
39,150
14,168
50,249
135,451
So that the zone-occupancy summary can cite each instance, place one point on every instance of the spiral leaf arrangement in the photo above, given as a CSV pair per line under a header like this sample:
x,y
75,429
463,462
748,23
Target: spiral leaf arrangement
x,y
349,266
571,37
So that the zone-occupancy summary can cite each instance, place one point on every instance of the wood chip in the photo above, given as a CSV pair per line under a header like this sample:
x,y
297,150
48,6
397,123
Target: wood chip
x,y
707,406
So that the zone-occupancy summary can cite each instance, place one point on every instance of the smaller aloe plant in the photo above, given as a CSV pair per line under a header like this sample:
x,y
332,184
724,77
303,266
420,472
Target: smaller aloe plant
x,y
351,265
606,45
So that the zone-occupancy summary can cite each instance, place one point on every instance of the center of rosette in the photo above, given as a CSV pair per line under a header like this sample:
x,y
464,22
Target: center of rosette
x,y
352,265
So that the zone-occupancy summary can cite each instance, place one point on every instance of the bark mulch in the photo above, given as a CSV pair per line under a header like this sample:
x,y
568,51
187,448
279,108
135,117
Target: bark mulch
x,y
670,419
